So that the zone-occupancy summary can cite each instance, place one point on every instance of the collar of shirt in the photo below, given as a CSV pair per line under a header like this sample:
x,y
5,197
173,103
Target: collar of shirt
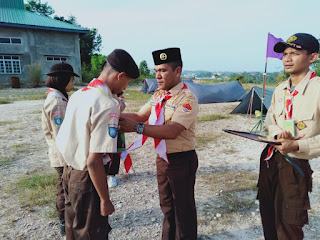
x,y
175,90
302,85
58,92
108,89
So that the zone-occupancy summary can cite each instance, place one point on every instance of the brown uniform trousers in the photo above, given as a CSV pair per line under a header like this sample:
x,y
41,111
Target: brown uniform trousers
x,y
283,197
176,193
60,194
82,214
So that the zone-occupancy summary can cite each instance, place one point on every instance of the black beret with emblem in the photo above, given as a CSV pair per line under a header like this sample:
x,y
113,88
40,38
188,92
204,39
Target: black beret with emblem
x,y
166,56
121,61
299,41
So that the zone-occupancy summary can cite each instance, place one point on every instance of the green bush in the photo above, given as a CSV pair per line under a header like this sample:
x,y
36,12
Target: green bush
x,y
34,73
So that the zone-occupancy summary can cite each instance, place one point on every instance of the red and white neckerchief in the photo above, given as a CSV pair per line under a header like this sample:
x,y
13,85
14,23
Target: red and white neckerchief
x,y
288,112
124,155
156,118
54,93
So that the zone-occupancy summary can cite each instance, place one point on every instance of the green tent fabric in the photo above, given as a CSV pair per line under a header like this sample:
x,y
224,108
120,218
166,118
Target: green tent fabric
x,y
255,94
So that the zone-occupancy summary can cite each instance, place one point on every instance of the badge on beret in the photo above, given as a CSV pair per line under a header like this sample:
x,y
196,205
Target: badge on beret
x,y
58,121
113,130
163,56
186,107
292,38
301,125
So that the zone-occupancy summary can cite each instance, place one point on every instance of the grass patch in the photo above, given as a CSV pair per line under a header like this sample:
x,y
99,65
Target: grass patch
x,y
5,160
19,148
36,190
7,122
212,117
229,181
4,101
136,95
234,203
205,138
16,128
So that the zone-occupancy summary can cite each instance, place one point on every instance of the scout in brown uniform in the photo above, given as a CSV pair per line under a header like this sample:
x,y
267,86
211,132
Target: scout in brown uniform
x,y
294,120
87,135
175,180
60,81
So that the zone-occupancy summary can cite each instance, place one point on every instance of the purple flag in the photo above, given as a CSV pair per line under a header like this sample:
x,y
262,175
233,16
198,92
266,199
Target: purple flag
x,y
271,42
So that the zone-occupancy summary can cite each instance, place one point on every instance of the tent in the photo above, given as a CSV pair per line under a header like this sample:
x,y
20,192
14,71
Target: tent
x,y
206,93
256,95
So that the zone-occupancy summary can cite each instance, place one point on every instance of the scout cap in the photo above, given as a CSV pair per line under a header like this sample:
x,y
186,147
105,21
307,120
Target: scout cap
x,y
166,56
299,41
121,61
63,67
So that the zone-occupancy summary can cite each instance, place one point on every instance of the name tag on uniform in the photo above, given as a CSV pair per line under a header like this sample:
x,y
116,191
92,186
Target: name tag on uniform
x,y
289,126
171,107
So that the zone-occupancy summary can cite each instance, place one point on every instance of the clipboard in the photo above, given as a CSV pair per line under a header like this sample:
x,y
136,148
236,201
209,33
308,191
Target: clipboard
x,y
252,136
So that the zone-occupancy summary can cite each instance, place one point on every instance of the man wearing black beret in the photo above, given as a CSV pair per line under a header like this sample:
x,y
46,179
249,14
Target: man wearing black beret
x,y
87,136
292,120
171,113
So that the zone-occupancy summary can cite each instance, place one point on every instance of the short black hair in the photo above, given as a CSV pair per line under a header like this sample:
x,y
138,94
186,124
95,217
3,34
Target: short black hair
x,y
175,64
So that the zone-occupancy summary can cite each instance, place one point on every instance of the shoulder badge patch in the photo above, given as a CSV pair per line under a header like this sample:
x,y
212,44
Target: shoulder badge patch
x,y
186,107
58,121
113,130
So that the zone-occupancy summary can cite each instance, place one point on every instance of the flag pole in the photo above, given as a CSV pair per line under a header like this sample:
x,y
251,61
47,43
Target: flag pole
x,y
259,124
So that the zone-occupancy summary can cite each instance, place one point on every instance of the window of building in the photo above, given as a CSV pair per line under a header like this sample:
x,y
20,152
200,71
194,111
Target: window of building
x,y
10,40
59,59
10,64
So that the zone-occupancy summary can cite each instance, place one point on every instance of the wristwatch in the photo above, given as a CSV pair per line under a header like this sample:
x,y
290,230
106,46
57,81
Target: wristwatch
x,y
139,128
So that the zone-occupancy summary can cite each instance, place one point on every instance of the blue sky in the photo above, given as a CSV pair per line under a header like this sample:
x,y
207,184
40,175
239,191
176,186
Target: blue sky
x,y
214,35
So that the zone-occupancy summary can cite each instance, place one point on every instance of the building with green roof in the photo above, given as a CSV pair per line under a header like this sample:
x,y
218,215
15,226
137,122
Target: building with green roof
x,y
27,38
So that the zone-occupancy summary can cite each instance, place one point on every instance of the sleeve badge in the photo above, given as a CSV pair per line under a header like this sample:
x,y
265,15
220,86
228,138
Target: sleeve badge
x,y
186,107
113,130
58,121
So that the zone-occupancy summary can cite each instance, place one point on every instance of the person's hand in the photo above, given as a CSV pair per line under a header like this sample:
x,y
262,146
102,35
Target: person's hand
x,y
288,145
127,124
284,134
106,208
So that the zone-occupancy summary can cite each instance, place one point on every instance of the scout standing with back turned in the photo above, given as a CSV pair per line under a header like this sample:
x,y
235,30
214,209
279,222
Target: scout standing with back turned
x,y
60,81
88,134
172,111
293,120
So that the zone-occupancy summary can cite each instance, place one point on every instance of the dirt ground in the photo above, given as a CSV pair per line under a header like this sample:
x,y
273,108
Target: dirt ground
x,y
225,186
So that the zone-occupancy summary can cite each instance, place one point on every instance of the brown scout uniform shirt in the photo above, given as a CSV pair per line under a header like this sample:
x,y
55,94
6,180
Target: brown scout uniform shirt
x,y
53,112
305,113
181,108
89,124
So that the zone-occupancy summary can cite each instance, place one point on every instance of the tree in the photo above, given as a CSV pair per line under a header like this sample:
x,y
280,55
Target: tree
x,y
89,45
72,19
282,77
143,68
240,78
40,8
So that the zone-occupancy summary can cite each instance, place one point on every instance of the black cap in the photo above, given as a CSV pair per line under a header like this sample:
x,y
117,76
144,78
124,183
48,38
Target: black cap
x,y
63,67
299,41
166,56
121,61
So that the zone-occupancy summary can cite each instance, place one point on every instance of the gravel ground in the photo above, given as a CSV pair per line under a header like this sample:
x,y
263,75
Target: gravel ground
x,y
138,214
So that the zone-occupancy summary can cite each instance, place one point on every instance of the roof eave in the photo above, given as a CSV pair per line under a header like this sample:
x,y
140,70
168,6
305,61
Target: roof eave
x,y
43,28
